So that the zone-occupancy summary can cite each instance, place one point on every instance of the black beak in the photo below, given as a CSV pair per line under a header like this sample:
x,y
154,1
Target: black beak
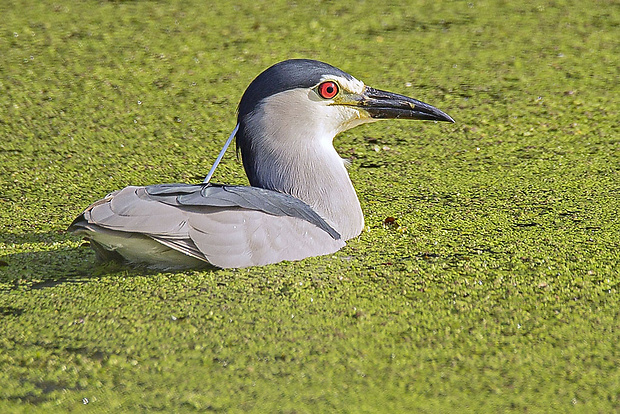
x,y
387,105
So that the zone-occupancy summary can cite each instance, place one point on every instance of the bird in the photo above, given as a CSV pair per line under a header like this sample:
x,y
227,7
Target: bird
x,y
300,202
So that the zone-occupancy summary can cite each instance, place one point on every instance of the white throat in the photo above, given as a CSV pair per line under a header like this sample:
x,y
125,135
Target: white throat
x,y
291,143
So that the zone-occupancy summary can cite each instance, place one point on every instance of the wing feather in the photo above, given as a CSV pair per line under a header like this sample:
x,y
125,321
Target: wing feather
x,y
228,226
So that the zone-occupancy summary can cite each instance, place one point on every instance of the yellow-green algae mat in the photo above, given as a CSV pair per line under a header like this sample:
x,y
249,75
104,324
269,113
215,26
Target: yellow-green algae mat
x,y
487,279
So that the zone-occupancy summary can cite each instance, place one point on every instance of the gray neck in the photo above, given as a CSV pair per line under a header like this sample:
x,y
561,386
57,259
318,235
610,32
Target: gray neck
x,y
300,160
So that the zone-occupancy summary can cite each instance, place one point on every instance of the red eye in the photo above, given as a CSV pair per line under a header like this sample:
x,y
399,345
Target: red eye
x,y
328,90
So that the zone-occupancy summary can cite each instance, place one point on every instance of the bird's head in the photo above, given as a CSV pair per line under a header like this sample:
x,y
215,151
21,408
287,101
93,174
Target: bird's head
x,y
301,102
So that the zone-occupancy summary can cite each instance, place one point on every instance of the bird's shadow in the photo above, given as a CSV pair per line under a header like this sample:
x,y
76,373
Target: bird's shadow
x,y
39,269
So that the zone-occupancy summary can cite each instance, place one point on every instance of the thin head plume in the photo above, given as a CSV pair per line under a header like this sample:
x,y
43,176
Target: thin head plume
x,y
222,152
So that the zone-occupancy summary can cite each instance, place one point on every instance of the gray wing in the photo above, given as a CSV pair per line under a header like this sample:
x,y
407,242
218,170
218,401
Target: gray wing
x,y
227,226
252,198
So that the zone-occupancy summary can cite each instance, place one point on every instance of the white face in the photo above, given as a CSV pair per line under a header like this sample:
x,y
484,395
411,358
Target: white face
x,y
299,117
337,111
349,85
341,108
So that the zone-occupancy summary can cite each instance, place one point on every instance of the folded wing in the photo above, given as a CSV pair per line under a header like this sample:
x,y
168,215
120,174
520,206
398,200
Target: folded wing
x,y
182,225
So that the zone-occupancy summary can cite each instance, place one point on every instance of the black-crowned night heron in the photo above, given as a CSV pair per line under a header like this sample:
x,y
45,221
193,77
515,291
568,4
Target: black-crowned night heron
x,y
301,201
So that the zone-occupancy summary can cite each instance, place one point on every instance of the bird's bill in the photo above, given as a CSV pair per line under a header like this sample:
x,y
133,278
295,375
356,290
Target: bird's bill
x,y
387,105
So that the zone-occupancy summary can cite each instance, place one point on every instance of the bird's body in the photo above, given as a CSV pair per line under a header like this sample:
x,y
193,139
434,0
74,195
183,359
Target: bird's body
x,y
301,201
